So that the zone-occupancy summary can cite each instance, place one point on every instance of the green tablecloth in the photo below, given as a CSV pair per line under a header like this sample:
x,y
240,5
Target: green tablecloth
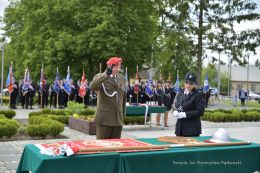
x,y
140,110
32,160
239,159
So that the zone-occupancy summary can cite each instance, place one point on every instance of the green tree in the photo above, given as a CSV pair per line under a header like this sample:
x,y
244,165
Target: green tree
x,y
212,75
174,49
224,82
209,24
78,33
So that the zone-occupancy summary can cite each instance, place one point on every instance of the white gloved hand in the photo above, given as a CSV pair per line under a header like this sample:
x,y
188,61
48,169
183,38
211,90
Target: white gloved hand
x,y
181,115
175,113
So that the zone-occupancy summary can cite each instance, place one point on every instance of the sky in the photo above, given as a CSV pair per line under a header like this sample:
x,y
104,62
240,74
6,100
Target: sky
x,y
238,27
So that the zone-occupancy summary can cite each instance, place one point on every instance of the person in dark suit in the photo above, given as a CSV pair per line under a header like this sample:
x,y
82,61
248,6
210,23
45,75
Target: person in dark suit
x,y
158,96
32,91
86,97
63,96
143,95
21,94
189,106
43,94
72,96
129,94
53,97
29,96
168,98
13,95
136,96
242,96
207,96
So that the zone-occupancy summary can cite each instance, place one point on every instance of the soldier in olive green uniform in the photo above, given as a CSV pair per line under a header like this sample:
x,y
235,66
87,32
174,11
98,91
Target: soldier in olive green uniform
x,y
111,100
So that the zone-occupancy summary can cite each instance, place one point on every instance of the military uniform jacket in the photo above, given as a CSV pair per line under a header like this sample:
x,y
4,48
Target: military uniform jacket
x,y
193,105
111,99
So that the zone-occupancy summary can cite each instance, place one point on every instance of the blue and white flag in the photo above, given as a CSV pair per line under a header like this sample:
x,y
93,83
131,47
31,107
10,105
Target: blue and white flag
x,y
56,86
42,81
67,85
177,85
26,82
149,88
206,84
10,79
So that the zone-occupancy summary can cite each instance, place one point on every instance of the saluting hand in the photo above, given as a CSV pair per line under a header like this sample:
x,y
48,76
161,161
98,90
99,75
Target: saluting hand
x,y
109,70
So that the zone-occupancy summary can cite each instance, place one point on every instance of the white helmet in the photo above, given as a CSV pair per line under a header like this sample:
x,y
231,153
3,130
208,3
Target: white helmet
x,y
220,136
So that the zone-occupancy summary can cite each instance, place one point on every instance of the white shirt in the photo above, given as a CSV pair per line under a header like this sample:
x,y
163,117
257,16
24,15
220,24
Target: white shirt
x,y
112,76
186,92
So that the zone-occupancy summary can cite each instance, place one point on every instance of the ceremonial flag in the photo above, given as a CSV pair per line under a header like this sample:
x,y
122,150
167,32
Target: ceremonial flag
x,y
10,79
56,86
206,84
177,84
26,81
67,86
83,85
136,85
42,80
149,88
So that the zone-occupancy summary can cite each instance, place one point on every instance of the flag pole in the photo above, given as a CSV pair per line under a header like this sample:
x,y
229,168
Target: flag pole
x,y
85,88
57,100
10,100
100,67
138,83
10,83
42,87
205,95
69,83
26,100
127,84
57,94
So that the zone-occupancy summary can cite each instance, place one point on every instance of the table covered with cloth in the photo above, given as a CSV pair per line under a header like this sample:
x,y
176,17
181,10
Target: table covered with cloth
x,y
224,159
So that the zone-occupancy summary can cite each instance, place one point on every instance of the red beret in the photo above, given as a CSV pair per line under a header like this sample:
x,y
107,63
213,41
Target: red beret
x,y
114,61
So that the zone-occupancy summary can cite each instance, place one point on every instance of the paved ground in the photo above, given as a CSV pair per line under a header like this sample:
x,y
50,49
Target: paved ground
x,y
10,152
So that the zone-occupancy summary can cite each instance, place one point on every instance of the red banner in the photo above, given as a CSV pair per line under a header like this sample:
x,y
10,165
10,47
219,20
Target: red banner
x,y
106,143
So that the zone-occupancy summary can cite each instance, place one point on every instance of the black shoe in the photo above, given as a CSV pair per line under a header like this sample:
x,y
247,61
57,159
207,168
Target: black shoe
x,y
31,108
